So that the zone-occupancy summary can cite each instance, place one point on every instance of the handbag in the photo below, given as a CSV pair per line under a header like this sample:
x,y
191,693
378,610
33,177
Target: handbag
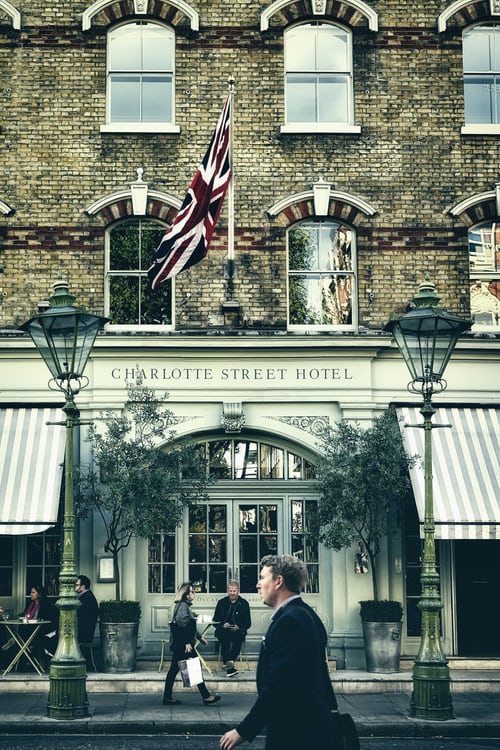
x,y
191,671
345,732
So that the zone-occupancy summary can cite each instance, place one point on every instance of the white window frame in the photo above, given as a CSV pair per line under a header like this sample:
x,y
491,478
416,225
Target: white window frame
x,y
304,327
482,276
108,274
139,126
323,127
486,128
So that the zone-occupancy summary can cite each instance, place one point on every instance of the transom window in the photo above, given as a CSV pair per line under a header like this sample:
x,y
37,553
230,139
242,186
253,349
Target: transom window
x,y
129,298
484,264
481,53
321,280
141,73
246,459
318,68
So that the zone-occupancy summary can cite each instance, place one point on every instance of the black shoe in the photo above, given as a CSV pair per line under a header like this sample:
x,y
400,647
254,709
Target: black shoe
x,y
231,672
210,701
171,702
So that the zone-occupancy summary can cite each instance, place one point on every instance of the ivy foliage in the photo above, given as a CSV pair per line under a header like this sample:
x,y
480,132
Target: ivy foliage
x,y
140,478
363,483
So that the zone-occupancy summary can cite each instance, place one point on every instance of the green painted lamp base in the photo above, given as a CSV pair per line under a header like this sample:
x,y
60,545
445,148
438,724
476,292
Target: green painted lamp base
x,y
431,697
67,690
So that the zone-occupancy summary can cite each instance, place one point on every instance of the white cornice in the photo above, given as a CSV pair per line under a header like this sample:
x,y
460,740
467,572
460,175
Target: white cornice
x,y
12,12
99,5
126,194
360,6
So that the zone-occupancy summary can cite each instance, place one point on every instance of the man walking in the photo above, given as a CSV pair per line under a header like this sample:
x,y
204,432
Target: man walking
x,y
295,695
232,615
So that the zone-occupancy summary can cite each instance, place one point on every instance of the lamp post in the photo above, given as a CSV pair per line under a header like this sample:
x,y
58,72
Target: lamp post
x,y
64,337
426,337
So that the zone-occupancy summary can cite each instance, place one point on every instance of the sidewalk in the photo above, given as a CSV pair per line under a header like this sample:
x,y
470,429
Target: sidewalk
x,y
375,714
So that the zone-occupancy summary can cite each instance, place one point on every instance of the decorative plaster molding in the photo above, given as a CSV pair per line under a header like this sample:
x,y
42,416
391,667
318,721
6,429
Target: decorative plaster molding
x,y
313,424
232,418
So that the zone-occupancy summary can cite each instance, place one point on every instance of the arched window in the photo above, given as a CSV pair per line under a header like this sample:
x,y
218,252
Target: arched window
x,y
481,55
321,275
228,535
140,76
318,71
484,263
129,299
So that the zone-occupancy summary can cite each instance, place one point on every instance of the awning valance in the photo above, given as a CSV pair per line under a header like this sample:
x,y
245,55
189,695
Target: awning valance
x,y
31,467
465,468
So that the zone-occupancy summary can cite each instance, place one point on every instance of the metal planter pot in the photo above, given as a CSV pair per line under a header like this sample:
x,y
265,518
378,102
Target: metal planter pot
x,y
382,646
119,646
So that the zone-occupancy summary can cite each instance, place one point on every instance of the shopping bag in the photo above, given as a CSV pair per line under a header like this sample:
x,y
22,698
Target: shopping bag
x,y
345,732
191,671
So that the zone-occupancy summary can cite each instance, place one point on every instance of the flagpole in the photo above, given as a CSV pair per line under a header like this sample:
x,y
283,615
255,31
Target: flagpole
x,y
230,200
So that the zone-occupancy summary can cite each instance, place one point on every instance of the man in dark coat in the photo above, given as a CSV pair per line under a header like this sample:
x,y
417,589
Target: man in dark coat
x,y
232,615
88,610
295,695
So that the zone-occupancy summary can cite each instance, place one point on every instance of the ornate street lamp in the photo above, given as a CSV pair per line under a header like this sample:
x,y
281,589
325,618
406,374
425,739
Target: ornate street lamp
x,y
64,336
426,337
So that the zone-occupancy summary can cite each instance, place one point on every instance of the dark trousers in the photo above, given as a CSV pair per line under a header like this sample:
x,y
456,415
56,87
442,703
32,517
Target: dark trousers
x,y
230,644
178,653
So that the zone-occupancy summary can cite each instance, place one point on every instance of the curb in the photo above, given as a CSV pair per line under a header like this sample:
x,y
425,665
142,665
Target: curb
x,y
411,729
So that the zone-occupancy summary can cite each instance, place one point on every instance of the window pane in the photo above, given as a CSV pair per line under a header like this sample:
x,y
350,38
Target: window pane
x,y
332,49
485,302
333,99
155,305
477,50
125,48
157,48
245,460
124,300
337,299
124,248
300,53
303,248
478,99
271,462
220,458
301,98
156,98
125,98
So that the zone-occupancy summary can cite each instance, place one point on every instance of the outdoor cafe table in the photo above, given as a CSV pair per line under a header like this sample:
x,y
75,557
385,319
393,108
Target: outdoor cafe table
x,y
22,643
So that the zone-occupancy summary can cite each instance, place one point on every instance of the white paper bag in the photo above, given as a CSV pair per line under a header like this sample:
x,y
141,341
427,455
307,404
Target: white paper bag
x,y
191,671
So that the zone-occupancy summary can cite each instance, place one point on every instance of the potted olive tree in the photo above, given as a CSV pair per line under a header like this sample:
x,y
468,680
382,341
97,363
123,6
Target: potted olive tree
x,y
139,482
363,482
119,629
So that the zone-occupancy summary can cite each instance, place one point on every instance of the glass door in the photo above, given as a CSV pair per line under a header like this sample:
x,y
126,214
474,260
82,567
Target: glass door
x,y
227,539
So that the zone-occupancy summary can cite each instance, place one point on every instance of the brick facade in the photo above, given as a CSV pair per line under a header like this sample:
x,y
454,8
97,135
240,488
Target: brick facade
x,y
410,161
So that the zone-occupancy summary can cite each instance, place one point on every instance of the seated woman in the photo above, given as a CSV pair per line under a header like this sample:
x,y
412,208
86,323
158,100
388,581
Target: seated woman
x,y
40,608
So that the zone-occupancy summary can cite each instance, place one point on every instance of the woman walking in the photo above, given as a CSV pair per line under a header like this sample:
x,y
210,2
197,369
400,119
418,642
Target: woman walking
x,y
183,629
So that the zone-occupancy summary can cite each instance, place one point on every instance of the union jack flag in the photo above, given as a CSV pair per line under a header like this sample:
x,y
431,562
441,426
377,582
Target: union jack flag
x,y
186,241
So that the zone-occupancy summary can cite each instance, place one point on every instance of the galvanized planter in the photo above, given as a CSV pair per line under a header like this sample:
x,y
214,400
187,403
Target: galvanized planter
x,y
382,646
119,646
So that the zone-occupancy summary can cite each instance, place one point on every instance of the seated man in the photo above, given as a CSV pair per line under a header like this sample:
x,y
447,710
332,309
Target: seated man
x,y
232,614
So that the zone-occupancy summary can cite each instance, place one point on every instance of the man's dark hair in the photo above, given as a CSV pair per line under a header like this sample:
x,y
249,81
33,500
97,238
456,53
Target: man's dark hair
x,y
85,581
293,570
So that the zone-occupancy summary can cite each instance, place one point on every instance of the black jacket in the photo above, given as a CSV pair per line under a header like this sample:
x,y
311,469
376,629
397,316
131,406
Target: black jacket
x,y
238,615
87,614
295,695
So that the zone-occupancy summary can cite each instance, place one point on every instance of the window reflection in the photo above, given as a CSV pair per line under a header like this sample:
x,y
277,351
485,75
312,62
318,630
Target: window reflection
x,y
484,264
321,278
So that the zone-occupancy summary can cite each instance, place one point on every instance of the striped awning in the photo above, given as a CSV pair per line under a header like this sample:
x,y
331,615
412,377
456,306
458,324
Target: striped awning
x,y
465,469
31,467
